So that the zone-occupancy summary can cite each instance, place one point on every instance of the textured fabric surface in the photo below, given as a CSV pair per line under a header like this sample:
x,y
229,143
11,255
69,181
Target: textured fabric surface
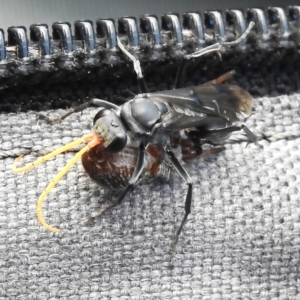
x,y
242,240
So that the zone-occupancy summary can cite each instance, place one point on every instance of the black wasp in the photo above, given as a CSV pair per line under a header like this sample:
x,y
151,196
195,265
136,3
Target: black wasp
x,y
137,139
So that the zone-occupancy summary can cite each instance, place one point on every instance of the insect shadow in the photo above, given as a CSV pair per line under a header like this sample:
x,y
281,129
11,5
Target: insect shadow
x,y
152,134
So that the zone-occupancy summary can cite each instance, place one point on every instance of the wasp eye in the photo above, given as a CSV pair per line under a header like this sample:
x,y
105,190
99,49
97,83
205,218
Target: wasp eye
x,y
101,113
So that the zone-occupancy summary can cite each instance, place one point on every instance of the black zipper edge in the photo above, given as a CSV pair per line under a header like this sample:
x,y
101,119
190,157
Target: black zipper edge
x,y
36,54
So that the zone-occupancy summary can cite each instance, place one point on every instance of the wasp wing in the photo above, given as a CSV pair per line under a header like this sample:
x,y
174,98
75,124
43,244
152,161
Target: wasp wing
x,y
204,105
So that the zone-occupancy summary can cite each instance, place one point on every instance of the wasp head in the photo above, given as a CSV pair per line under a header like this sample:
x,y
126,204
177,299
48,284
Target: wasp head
x,y
109,127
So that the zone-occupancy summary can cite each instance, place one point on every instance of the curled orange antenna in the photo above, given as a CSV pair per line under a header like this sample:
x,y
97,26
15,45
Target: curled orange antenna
x,y
93,140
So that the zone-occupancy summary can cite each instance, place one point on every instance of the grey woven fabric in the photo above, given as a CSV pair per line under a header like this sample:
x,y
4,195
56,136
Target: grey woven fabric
x,y
242,240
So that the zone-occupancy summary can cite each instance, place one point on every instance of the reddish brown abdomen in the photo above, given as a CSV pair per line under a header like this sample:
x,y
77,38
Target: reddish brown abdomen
x,y
112,170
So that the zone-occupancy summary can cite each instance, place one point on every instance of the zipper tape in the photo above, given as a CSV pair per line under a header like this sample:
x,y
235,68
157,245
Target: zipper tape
x,y
88,51
26,52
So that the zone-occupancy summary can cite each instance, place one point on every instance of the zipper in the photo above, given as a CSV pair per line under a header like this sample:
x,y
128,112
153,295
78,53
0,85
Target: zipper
x,y
36,57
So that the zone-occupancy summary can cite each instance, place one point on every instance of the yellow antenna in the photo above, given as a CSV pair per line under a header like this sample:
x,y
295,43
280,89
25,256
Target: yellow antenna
x,y
93,140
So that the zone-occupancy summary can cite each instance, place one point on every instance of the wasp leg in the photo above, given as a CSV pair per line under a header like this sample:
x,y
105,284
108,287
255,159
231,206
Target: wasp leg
x,y
251,136
79,108
222,78
142,86
205,153
137,68
132,182
188,200
179,82
219,135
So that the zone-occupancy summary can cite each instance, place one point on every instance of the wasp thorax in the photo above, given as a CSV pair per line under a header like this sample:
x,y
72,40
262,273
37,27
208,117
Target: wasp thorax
x,y
110,128
145,112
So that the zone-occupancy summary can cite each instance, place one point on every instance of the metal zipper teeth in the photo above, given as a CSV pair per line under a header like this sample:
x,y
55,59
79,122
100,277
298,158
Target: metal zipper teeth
x,y
274,28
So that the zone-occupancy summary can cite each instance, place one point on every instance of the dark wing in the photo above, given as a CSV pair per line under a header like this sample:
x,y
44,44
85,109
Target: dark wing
x,y
200,105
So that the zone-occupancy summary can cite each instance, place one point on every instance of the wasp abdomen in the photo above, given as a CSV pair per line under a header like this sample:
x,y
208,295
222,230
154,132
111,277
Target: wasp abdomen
x,y
114,170
107,169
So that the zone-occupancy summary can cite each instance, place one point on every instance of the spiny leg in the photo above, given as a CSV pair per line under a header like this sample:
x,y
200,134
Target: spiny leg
x,y
137,68
188,200
93,141
139,167
179,82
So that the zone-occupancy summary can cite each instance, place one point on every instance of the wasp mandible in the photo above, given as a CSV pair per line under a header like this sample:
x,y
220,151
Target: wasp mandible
x,y
136,139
